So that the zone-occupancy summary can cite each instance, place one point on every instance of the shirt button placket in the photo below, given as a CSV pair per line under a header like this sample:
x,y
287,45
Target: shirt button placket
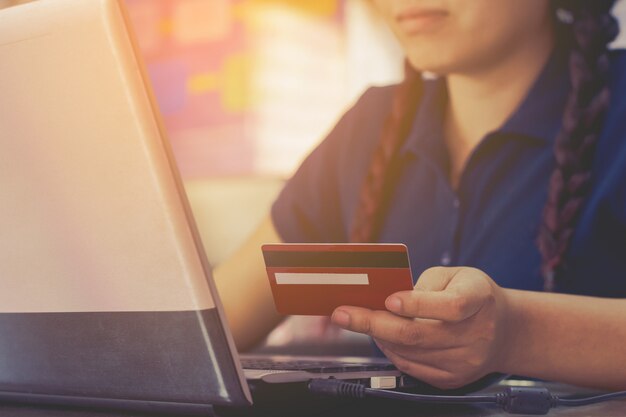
x,y
446,257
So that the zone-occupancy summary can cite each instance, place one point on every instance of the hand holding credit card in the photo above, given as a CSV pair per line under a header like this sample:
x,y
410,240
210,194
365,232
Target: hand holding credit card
x,y
314,279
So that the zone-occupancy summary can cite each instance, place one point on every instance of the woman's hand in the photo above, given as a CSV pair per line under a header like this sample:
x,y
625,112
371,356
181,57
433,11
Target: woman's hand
x,y
449,331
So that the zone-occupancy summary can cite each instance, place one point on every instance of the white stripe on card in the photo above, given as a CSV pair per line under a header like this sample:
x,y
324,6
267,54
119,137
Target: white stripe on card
x,y
301,278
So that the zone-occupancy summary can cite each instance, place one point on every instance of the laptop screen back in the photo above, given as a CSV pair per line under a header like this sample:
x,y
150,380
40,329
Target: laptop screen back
x,y
105,288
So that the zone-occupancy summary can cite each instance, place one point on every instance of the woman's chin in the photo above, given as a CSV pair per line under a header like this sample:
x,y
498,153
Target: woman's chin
x,y
432,62
434,69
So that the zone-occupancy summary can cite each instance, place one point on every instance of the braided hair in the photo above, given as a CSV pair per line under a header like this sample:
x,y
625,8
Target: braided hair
x,y
586,28
369,215
589,27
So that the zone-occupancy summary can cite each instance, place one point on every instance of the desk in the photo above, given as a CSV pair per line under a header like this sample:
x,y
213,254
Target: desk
x,y
365,409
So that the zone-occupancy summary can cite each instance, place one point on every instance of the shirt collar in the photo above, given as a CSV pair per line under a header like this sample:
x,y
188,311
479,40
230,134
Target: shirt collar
x,y
427,131
541,113
537,118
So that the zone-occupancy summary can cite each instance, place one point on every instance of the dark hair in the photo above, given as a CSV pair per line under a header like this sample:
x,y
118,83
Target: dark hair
x,y
589,27
586,26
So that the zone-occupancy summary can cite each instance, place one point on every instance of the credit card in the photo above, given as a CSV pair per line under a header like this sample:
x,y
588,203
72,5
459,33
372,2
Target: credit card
x,y
314,279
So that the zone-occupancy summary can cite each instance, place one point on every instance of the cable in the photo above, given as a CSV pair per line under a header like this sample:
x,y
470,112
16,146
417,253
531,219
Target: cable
x,y
577,402
514,400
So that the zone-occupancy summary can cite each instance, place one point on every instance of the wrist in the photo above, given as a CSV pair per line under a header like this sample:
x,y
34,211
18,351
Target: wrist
x,y
511,334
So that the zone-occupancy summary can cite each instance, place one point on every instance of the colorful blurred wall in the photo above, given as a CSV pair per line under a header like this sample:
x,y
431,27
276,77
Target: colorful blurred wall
x,y
247,87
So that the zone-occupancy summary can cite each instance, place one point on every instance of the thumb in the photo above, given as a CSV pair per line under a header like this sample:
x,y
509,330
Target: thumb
x,y
436,279
436,296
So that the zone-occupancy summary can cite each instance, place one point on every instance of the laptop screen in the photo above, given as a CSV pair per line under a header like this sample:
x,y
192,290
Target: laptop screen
x,y
106,292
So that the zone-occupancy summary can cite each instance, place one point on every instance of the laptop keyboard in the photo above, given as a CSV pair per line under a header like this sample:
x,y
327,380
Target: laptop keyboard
x,y
313,366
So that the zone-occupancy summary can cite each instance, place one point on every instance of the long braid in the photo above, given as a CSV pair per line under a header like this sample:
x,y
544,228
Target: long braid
x,y
406,97
591,27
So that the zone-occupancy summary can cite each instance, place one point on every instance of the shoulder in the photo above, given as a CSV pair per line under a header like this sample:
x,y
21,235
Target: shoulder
x,y
610,160
373,97
352,135
617,58
615,121
312,205
359,128
356,142
370,109
368,114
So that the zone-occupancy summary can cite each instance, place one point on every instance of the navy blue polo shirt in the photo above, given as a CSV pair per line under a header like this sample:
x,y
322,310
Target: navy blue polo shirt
x,y
491,220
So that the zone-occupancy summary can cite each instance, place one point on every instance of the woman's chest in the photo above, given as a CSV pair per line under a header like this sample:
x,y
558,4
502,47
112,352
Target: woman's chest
x,y
492,222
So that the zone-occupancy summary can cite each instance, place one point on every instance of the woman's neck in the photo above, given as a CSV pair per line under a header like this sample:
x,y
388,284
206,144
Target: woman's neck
x,y
481,101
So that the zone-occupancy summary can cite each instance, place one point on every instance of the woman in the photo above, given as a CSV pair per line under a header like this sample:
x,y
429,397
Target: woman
x,y
511,161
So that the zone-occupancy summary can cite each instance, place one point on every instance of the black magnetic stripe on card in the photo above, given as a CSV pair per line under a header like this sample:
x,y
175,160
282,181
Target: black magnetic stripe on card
x,y
147,356
336,259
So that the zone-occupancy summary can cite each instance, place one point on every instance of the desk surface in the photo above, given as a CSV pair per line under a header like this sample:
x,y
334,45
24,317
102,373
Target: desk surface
x,y
365,409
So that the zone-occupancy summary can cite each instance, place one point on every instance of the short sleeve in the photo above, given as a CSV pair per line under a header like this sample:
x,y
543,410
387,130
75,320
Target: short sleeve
x,y
315,203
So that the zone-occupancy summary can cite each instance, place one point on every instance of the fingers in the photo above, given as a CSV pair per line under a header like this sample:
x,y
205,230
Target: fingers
x,y
383,325
448,294
443,332
425,356
445,369
430,374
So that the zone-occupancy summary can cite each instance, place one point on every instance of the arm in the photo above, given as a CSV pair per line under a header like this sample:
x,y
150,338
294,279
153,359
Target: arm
x,y
457,325
308,209
573,339
245,292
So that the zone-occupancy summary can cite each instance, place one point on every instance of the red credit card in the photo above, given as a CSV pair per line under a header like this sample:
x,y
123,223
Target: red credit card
x,y
314,279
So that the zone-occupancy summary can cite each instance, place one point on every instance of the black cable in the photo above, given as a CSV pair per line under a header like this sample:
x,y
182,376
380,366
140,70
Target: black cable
x,y
577,402
449,399
514,400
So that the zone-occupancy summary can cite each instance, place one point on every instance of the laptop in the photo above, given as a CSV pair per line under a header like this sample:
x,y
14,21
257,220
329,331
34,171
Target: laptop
x,y
106,297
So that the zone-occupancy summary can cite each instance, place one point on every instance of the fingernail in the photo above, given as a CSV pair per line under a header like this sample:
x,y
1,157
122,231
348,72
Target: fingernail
x,y
394,304
341,318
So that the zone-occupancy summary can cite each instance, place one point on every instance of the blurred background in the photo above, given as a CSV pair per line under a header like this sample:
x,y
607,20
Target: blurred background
x,y
247,88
